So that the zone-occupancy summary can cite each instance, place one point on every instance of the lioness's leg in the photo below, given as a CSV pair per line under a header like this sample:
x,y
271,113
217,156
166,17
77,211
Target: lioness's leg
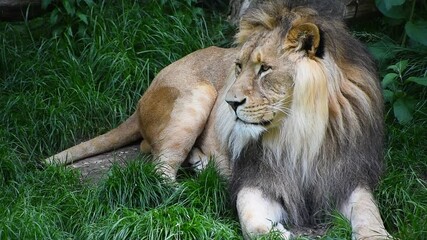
x,y
364,216
258,214
171,127
145,147
210,148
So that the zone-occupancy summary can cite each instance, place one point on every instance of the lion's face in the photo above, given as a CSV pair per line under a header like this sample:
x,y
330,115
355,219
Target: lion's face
x,y
261,93
300,83
265,69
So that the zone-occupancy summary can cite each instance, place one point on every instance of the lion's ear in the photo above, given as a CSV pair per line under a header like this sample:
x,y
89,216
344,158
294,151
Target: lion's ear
x,y
304,37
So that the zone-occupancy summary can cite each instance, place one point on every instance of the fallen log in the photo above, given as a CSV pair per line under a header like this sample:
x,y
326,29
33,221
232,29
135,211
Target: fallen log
x,y
18,10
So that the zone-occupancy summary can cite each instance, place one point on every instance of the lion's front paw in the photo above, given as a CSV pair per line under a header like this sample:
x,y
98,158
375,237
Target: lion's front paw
x,y
369,233
277,230
198,160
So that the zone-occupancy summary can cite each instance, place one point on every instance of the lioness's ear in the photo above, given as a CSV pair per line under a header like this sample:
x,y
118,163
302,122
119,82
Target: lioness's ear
x,y
304,37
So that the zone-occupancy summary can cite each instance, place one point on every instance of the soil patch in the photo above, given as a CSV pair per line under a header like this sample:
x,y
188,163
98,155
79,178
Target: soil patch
x,y
94,168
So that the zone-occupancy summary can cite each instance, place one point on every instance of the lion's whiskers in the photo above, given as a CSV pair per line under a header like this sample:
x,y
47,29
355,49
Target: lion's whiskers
x,y
281,106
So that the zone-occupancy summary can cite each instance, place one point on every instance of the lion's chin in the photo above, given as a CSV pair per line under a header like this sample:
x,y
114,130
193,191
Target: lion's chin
x,y
242,134
244,126
262,123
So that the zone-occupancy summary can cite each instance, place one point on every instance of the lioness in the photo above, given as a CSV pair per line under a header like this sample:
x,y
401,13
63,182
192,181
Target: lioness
x,y
297,107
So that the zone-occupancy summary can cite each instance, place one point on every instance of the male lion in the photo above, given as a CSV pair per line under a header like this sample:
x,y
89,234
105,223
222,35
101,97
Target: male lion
x,y
296,106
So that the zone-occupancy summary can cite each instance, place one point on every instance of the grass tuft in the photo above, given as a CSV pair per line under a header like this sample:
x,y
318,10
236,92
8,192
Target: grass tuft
x,y
136,186
207,192
172,222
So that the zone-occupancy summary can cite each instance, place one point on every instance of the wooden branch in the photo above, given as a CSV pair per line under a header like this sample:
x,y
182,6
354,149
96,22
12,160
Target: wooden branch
x,y
359,8
13,10
18,3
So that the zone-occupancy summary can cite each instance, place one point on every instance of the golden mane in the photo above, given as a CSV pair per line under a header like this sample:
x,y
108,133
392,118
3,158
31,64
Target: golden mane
x,y
354,86
336,116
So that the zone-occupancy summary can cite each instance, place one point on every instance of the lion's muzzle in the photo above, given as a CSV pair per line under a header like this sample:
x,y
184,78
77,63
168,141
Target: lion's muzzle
x,y
235,103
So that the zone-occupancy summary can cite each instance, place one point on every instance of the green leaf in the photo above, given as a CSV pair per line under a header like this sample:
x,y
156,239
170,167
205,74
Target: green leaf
x,y
388,95
82,17
418,80
69,31
54,16
45,3
399,67
392,3
403,109
417,31
82,30
57,31
382,50
197,12
402,65
190,2
388,79
392,8
69,8
89,2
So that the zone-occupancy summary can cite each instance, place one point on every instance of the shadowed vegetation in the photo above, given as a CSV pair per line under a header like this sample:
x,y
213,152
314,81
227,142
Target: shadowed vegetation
x,y
64,80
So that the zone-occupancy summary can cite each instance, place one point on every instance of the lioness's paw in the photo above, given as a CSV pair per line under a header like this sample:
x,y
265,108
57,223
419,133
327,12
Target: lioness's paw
x,y
198,160
283,233
48,161
53,161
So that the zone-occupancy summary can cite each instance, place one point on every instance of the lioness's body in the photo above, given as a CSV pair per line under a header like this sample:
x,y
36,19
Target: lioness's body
x,y
172,114
300,116
179,108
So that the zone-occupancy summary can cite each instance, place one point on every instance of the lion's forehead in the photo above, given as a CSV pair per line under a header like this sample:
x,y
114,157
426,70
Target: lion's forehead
x,y
261,46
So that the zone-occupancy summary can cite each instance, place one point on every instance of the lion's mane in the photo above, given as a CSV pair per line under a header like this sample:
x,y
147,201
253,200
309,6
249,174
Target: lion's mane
x,y
316,160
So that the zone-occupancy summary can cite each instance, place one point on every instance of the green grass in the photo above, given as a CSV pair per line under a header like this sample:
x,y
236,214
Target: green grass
x,y
58,90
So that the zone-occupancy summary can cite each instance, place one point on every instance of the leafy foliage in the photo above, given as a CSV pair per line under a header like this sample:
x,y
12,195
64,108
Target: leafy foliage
x,y
403,63
417,30
407,12
396,85
69,16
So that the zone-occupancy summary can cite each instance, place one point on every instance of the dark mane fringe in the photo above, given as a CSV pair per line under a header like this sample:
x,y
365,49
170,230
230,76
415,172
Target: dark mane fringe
x,y
269,14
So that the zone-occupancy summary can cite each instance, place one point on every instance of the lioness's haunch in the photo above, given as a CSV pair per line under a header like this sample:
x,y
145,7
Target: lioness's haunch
x,y
294,113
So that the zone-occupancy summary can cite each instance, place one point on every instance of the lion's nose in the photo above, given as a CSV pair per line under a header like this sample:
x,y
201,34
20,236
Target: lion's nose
x,y
236,103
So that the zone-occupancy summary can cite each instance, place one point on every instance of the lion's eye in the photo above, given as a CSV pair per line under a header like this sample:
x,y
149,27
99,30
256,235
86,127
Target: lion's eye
x,y
264,68
238,68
